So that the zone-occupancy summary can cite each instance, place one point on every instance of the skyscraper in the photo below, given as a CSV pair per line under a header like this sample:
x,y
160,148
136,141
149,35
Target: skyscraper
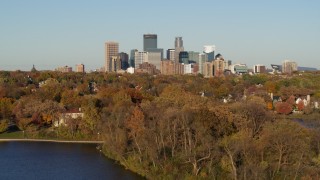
x,y
111,49
132,59
178,46
150,42
202,59
124,58
178,43
139,58
209,50
170,54
184,57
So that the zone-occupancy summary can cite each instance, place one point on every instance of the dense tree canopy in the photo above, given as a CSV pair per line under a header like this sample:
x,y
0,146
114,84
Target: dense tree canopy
x,y
176,127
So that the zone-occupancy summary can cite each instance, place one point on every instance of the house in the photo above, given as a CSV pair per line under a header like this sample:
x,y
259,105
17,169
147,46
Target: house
x,y
70,114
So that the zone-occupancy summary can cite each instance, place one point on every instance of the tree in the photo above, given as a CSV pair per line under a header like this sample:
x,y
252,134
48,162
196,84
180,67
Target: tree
x,y
283,108
286,148
3,125
135,125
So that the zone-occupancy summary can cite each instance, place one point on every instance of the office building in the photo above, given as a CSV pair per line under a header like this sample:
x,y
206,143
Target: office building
x,y
218,67
259,68
111,49
150,42
238,69
208,69
167,67
289,67
193,57
178,43
80,68
184,57
209,50
154,58
115,64
140,57
202,59
132,54
124,58
64,69
147,68
170,54
178,46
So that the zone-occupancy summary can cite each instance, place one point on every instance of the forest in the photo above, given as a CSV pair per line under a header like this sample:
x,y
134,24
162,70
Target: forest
x,y
176,127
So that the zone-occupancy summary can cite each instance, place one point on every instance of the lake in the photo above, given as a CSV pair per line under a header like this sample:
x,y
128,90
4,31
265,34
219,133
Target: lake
x,y
43,160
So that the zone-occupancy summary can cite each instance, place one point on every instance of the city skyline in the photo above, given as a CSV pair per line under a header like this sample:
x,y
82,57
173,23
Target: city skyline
x,y
53,34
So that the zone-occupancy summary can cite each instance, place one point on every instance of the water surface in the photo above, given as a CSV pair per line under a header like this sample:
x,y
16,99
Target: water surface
x,y
43,160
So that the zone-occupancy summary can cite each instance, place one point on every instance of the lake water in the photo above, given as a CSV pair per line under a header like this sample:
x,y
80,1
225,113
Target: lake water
x,y
42,160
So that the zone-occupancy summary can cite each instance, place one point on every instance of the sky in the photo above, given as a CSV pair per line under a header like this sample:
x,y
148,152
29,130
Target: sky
x,y
56,33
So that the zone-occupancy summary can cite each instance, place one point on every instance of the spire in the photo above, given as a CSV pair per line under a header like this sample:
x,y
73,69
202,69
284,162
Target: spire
x,y
33,69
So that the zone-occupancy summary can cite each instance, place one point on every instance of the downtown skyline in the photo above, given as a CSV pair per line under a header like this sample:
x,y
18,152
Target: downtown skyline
x,y
52,34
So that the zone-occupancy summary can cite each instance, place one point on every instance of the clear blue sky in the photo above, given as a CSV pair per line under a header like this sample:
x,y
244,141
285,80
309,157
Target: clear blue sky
x,y
67,32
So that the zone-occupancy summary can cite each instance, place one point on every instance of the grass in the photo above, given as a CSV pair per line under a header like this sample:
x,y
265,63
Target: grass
x,y
12,135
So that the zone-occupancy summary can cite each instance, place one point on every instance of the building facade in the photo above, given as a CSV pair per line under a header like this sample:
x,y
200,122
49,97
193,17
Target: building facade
x,y
132,60
167,67
202,59
170,54
115,64
209,50
150,41
124,58
259,69
238,69
80,68
140,57
193,57
154,58
64,69
111,49
184,57
289,66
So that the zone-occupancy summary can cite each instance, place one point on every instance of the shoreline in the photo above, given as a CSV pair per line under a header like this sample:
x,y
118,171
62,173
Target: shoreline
x,y
49,140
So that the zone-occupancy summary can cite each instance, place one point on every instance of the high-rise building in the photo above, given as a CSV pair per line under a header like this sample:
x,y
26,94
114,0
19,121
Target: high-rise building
x,y
289,66
115,64
132,54
140,57
202,59
170,54
218,67
208,69
184,57
124,58
193,57
258,69
209,50
80,68
150,42
154,58
111,49
178,45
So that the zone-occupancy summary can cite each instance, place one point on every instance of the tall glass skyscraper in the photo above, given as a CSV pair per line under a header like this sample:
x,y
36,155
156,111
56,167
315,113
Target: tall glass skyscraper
x,y
150,42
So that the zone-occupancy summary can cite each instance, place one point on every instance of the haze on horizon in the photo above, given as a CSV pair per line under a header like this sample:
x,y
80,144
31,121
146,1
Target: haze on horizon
x,y
49,34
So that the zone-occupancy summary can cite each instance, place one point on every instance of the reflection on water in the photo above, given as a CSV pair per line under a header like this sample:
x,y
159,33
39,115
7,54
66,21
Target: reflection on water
x,y
35,160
